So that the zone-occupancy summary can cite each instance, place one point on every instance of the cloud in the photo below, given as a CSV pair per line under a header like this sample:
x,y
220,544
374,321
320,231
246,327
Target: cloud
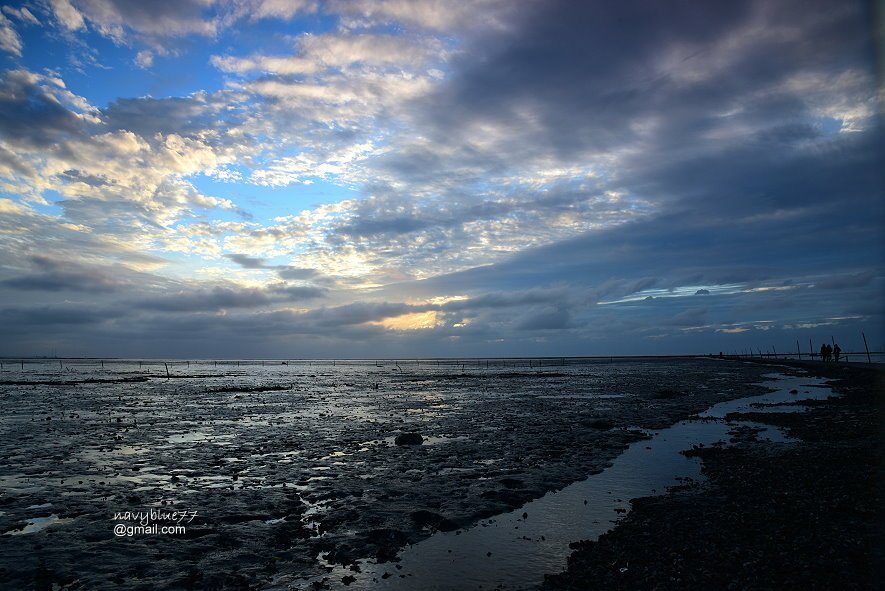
x,y
224,298
489,175
68,16
151,22
10,41
144,59
158,18
431,14
848,280
37,110
295,273
246,262
56,275
323,52
282,9
547,320
22,14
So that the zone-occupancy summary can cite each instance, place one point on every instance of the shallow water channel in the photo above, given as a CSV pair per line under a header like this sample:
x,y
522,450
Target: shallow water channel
x,y
514,550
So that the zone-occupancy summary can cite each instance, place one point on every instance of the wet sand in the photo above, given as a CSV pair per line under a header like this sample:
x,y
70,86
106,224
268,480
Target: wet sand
x,y
294,472
800,515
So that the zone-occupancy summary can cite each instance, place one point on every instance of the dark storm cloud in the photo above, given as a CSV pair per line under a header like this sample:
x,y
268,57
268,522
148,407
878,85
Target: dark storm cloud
x,y
189,116
295,293
223,298
31,114
846,281
589,71
206,300
246,262
722,106
59,275
285,272
24,319
547,320
295,273
509,299
16,165
582,67
157,18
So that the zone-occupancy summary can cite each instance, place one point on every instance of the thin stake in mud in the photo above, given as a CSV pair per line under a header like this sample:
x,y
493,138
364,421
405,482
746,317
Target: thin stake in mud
x,y
798,351
167,370
866,347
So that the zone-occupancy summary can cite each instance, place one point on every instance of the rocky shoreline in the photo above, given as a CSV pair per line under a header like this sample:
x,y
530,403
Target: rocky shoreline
x,y
803,515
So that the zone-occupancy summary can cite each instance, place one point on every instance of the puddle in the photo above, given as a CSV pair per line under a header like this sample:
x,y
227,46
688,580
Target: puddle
x,y
806,389
36,524
198,437
511,551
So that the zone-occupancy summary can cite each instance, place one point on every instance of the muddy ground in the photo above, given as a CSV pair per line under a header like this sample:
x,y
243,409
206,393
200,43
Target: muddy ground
x,y
806,515
285,463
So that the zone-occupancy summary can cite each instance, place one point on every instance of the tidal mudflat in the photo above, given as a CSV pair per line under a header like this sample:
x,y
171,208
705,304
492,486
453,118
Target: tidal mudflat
x,y
293,470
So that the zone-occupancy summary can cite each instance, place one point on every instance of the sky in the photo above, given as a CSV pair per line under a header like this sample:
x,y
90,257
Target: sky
x,y
419,178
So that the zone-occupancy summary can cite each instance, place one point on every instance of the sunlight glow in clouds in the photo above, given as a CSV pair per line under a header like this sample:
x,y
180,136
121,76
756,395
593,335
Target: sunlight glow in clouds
x,y
253,177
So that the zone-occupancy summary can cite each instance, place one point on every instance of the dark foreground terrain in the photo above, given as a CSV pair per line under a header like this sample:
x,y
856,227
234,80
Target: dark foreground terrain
x,y
290,468
802,516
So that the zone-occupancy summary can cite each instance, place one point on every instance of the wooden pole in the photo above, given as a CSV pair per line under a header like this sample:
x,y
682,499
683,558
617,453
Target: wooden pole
x,y
167,370
866,347
798,351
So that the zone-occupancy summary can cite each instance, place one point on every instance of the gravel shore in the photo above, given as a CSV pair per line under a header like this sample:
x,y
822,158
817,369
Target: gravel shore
x,y
802,515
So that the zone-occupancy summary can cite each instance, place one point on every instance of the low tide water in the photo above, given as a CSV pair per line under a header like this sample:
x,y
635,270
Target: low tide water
x,y
515,550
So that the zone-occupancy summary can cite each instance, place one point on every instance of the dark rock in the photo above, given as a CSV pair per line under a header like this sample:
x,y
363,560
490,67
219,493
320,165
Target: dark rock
x,y
409,439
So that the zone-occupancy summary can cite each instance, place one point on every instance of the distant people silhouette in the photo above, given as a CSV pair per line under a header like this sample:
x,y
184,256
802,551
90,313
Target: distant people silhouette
x,y
823,352
829,353
837,352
